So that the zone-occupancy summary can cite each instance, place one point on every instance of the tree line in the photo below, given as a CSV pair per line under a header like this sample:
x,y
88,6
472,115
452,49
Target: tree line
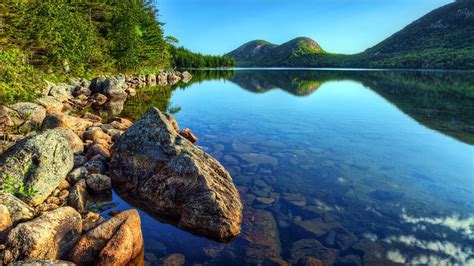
x,y
45,38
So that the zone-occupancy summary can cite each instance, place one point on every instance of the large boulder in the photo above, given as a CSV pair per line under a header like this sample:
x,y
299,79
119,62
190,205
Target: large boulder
x,y
114,242
151,162
40,161
5,221
50,236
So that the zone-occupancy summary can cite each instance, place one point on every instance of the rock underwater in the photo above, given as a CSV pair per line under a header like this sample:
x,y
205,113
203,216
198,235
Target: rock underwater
x,y
152,164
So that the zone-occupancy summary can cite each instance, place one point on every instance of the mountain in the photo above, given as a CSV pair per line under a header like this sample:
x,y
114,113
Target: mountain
x,y
442,39
260,52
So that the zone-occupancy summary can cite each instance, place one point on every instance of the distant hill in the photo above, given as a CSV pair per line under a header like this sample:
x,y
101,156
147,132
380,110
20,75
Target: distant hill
x,y
443,39
260,52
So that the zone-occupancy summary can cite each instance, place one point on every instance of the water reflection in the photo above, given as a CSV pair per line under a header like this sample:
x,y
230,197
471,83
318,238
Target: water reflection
x,y
329,168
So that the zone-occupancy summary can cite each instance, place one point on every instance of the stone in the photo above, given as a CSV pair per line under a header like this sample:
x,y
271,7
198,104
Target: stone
x,y
113,87
40,161
186,76
96,134
99,99
312,247
114,242
309,261
81,91
98,183
90,220
188,134
260,230
50,236
45,207
175,259
152,163
151,80
64,185
96,149
74,141
50,104
295,199
79,160
76,124
30,111
9,118
317,226
92,117
41,263
77,197
97,85
61,92
120,123
19,211
5,221
77,174
95,166
172,121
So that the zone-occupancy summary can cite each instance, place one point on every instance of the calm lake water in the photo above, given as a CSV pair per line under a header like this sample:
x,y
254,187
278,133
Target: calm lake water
x,y
349,167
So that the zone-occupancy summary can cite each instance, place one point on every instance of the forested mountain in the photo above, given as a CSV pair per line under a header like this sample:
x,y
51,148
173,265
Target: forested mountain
x,y
441,39
261,52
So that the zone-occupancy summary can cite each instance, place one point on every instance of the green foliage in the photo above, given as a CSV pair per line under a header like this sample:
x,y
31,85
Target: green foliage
x,y
183,58
16,187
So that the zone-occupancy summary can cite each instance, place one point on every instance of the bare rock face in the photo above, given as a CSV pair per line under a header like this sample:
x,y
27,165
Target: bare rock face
x,y
40,161
50,236
153,164
114,242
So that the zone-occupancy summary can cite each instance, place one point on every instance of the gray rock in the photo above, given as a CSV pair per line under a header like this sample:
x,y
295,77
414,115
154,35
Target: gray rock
x,y
77,174
50,236
62,92
50,104
175,179
114,87
95,166
99,183
19,211
30,111
97,85
40,161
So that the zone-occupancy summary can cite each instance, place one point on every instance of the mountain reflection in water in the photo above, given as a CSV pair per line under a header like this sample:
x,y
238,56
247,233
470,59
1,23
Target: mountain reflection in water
x,y
329,164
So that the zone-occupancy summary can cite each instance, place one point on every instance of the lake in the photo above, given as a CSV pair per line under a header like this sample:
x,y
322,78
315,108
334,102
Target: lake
x,y
348,167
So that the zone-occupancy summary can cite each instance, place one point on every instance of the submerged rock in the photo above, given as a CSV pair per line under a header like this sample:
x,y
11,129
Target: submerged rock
x,y
50,236
153,164
114,242
40,161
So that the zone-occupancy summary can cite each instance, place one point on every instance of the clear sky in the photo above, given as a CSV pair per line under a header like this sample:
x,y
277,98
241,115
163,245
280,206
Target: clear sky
x,y
339,26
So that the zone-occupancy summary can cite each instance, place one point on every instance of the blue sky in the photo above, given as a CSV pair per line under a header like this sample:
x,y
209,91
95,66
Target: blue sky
x,y
339,26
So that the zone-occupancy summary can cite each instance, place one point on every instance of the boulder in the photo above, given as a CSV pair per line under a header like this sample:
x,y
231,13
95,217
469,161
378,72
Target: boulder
x,y
175,259
120,123
50,104
19,211
151,80
114,87
81,91
9,118
77,174
40,161
30,111
99,99
114,242
50,236
76,124
312,247
152,163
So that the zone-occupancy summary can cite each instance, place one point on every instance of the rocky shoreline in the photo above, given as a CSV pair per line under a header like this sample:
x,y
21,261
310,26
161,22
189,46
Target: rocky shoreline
x,y
54,160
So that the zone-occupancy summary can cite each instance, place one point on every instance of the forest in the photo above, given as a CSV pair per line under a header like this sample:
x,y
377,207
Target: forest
x,y
57,40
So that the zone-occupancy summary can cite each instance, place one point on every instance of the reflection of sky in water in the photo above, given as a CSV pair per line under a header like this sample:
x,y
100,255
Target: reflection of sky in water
x,y
362,167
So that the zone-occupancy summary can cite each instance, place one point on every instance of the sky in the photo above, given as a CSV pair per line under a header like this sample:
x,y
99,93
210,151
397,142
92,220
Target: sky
x,y
339,26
